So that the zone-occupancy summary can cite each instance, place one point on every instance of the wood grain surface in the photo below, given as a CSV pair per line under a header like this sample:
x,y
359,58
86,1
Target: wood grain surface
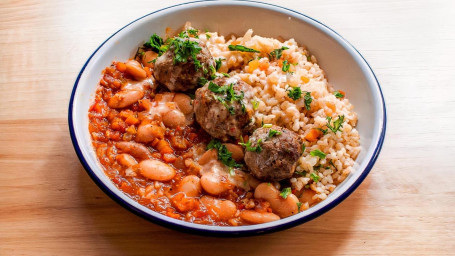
x,y
50,206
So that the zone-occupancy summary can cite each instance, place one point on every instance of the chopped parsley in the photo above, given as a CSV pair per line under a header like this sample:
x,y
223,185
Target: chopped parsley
x,y
299,205
338,94
318,153
285,192
308,99
331,163
303,173
225,74
185,49
314,177
241,48
295,93
303,147
308,58
212,72
190,32
224,155
286,66
267,125
277,53
255,104
230,96
336,125
250,148
201,81
273,133
207,35
316,167
218,63
156,43
324,131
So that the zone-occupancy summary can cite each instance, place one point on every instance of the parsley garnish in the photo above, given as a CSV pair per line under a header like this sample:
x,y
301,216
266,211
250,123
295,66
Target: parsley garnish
x,y
324,131
224,155
318,153
314,177
248,146
255,104
303,173
338,94
267,125
241,48
331,163
218,63
308,99
201,81
184,49
286,66
231,96
303,147
299,205
225,74
273,133
337,124
277,53
295,93
188,33
156,43
207,35
285,192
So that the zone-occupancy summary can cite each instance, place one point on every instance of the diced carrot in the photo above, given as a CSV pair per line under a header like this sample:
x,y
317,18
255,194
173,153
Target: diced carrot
x,y
147,71
254,64
192,136
120,66
131,130
118,124
304,79
103,83
183,203
156,155
342,92
131,120
331,106
263,64
169,158
313,135
164,147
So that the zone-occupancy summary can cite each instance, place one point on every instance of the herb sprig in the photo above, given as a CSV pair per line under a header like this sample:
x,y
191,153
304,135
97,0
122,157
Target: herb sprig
x,y
277,53
224,155
285,192
241,48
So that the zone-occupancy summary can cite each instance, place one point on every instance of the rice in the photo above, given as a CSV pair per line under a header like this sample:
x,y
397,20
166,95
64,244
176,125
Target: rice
x,y
270,85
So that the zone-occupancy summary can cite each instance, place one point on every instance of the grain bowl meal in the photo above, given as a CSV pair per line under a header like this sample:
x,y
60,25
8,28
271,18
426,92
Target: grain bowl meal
x,y
223,130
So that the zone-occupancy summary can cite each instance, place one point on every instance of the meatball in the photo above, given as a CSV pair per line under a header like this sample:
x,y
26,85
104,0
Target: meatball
x,y
224,110
281,148
184,76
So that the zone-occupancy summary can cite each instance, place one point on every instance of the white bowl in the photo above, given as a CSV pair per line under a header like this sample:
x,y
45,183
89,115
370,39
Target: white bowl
x,y
346,69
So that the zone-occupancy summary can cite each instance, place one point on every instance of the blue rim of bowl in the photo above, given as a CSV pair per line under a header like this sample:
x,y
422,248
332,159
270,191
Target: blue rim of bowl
x,y
226,233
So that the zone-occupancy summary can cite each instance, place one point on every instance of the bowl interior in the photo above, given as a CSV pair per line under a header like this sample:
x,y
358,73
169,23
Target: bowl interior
x,y
345,70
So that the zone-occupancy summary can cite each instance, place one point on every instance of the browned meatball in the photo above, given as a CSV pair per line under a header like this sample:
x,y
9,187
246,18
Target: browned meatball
x,y
183,76
278,158
218,113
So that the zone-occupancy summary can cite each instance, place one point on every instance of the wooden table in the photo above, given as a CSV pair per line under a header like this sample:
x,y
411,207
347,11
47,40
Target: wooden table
x,y
50,206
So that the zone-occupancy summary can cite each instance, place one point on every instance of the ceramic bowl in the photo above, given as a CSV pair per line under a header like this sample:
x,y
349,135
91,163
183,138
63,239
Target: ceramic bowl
x,y
345,67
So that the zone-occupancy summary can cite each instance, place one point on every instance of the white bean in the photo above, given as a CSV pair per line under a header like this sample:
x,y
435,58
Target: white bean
x,y
282,207
214,184
174,118
255,217
219,209
190,185
156,170
135,69
137,150
148,132
183,101
126,160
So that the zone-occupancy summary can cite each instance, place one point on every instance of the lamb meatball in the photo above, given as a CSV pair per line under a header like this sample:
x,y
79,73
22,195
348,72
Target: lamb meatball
x,y
184,76
221,115
278,158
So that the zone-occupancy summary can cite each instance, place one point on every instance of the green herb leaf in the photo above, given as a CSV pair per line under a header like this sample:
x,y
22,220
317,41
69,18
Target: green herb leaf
x,y
207,35
286,66
155,43
201,81
255,104
250,148
303,173
336,125
273,133
267,125
314,177
241,48
277,53
308,99
331,163
285,192
318,153
299,205
324,131
218,63
338,94
303,147
225,74
185,50
224,155
295,93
